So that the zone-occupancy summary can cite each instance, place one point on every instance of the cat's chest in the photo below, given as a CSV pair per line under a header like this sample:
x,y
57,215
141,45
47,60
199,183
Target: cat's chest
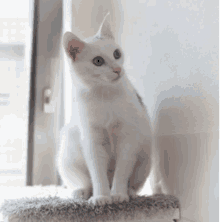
x,y
108,113
101,113
107,106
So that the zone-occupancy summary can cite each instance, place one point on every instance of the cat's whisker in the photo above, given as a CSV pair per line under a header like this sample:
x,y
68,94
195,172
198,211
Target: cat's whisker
x,y
108,92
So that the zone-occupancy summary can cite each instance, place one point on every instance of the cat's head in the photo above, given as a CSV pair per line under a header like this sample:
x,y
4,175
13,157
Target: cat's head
x,y
95,60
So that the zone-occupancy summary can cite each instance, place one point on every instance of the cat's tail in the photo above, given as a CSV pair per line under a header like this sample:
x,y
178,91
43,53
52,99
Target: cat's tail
x,y
158,181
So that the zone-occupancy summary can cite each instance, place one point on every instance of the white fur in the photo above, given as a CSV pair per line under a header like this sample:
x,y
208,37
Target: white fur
x,y
111,143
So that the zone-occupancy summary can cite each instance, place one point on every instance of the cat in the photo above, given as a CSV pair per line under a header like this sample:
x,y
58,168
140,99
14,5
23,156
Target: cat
x,y
105,150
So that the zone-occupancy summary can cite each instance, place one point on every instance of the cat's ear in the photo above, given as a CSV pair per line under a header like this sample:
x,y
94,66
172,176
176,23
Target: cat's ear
x,y
72,45
105,28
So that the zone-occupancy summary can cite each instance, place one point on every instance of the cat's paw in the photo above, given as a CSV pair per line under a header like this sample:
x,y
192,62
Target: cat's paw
x,y
100,200
132,193
119,197
83,194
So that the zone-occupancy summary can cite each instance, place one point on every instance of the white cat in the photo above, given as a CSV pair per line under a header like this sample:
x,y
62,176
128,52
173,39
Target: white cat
x,y
106,149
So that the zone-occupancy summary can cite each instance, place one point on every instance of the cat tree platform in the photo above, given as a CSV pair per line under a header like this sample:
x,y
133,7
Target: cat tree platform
x,y
54,208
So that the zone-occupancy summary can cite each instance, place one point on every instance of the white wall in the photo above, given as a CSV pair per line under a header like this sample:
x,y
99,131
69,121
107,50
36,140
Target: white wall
x,y
172,59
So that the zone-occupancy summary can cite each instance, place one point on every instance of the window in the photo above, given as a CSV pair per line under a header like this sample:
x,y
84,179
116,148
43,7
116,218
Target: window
x,y
14,90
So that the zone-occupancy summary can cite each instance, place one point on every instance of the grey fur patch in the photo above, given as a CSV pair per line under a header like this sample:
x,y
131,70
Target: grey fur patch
x,y
99,37
106,141
140,100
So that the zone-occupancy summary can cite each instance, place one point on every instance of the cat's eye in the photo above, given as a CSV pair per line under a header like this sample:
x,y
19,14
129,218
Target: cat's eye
x,y
117,54
98,61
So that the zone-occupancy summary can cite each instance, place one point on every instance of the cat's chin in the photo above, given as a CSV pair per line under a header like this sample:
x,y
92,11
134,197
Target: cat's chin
x,y
110,82
102,82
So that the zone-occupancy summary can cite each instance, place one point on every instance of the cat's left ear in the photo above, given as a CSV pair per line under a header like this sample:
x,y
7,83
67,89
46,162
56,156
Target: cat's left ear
x,y
72,45
105,28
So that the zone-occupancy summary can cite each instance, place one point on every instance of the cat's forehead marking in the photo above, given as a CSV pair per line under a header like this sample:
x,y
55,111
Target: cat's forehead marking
x,y
106,47
105,43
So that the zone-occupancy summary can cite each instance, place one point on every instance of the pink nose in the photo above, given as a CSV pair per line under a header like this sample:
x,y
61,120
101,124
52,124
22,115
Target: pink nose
x,y
117,70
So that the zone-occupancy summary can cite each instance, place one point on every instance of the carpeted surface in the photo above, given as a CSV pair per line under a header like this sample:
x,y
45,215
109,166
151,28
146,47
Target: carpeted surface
x,y
55,208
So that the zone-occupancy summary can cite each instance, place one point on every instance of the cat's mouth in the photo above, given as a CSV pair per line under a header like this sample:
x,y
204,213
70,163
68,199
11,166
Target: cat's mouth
x,y
117,78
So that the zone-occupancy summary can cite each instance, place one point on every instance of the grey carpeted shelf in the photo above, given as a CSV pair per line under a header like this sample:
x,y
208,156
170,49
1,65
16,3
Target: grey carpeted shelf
x,y
53,208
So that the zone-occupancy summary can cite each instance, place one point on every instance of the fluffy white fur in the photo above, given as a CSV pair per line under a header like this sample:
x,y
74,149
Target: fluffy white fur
x,y
107,154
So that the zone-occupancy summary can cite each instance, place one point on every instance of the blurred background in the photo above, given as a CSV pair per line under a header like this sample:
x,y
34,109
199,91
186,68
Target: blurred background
x,y
14,91
172,59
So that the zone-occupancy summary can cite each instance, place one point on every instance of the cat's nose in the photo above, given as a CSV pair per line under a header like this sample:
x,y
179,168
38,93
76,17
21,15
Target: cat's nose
x,y
117,70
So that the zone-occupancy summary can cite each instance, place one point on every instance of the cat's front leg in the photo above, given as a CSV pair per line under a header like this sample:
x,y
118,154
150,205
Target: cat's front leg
x,y
126,159
97,159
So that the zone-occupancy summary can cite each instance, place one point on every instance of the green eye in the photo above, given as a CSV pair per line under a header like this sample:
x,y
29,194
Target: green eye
x,y
98,61
117,54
